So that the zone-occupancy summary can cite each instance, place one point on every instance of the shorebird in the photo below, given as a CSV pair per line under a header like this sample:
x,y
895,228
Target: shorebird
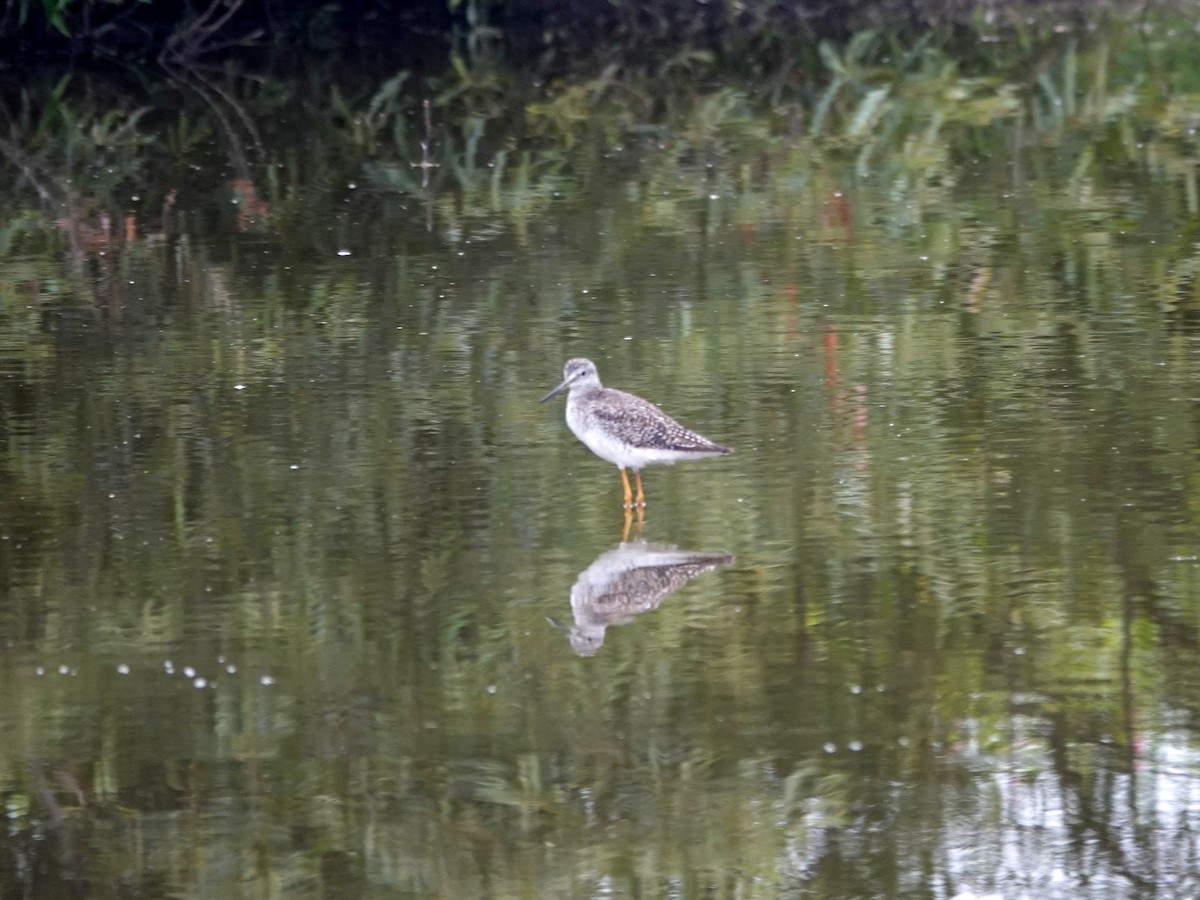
x,y
624,429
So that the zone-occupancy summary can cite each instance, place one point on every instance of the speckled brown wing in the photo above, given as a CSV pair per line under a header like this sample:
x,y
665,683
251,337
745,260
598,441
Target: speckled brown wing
x,y
640,423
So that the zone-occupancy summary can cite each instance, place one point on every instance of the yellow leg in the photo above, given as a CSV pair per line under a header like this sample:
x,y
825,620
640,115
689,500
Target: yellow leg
x,y
641,498
641,519
628,492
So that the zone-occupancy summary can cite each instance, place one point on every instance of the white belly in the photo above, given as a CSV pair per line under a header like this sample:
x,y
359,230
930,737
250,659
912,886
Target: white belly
x,y
615,451
621,454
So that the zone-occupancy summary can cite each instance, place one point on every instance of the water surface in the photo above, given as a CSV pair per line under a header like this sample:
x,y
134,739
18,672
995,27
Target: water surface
x,y
282,525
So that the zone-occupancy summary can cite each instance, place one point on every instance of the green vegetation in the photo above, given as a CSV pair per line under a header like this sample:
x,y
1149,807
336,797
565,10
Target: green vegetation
x,y
479,137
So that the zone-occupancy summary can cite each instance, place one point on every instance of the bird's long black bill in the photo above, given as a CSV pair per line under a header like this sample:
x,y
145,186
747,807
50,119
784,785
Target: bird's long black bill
x,y
553,392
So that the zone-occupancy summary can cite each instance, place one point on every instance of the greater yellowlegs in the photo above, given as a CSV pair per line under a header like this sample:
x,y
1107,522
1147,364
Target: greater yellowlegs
x,y
624,429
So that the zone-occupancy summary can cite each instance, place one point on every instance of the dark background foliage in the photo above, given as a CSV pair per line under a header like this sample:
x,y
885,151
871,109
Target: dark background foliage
x,y
551,34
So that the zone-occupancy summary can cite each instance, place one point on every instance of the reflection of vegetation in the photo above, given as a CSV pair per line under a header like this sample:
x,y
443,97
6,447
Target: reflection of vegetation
x,y
967,515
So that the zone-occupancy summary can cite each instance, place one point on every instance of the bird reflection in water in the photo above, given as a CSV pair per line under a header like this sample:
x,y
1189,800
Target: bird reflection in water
x,y
627,581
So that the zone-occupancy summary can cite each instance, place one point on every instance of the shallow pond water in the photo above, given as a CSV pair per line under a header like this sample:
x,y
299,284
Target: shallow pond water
x,y
302,592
